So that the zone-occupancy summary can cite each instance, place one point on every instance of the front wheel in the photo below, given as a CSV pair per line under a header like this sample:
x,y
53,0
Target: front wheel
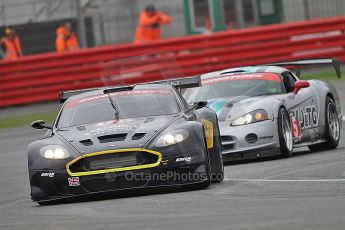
x,y
332,128
207,182
217,169
285,133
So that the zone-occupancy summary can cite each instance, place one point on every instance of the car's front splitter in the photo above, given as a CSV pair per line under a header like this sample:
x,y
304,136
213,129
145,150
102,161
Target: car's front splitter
x,y
249,141
251,154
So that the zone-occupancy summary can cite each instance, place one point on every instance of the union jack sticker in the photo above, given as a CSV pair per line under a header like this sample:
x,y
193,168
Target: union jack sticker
x,y
73,181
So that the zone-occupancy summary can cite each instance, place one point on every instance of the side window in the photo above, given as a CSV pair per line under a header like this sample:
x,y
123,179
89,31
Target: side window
x,y
289,81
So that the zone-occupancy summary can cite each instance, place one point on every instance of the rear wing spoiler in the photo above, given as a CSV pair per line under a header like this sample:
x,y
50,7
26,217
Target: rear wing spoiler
x,y
64,95
324,61
179,83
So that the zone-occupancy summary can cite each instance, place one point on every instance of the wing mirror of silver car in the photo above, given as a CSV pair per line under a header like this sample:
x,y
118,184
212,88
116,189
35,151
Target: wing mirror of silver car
x,y
300,85
40,124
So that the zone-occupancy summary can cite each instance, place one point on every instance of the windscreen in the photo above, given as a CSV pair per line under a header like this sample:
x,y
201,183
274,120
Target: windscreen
x,y
249,85
118,105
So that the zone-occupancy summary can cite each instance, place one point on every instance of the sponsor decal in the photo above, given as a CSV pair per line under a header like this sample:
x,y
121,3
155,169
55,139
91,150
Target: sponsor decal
x,y
259,76
307,116
73,181
266,137
111,129
183,159
46,174
113,122
116,94
295,128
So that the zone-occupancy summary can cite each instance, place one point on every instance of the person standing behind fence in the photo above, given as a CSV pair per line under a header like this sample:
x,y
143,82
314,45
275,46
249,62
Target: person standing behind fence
x,y
10,45
149,25
66,39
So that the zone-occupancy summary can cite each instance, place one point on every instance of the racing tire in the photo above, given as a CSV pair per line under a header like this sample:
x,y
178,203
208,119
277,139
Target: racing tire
x,y
47,203
207,182
332,128
217,175
285,133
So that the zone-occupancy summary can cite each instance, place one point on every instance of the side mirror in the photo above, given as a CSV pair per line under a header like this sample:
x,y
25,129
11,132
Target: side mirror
x,y
200,104
300,85
196,105
40,124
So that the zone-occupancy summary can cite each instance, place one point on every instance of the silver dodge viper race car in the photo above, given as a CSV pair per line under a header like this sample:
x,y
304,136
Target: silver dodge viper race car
x,y
266,110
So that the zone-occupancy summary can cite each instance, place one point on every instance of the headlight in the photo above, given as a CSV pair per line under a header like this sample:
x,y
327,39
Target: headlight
x,y
54,152
252,117
172,137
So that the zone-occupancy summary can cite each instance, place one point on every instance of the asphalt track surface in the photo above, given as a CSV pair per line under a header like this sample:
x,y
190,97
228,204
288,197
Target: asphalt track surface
x,y
306,191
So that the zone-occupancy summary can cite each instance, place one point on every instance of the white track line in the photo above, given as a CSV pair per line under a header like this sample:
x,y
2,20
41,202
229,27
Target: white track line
x,y
278,180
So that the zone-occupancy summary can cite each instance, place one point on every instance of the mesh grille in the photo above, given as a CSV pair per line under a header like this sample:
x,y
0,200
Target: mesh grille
x,y
113,161
228,143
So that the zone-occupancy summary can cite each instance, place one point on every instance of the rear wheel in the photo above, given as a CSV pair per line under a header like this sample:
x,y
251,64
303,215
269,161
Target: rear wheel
x,y
332,128
285,133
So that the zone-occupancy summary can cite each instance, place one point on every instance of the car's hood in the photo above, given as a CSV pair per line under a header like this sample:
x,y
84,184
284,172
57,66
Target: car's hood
x,y
232,107
117,134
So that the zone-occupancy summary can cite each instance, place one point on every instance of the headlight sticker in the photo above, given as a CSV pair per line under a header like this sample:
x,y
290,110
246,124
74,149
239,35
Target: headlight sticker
x,y
55,152
251,117
172,137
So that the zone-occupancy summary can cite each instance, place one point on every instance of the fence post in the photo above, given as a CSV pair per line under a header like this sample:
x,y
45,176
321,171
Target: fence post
x,y
239,13
81,24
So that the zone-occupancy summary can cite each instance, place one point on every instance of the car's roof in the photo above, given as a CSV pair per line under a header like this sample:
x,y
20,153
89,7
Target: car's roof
x,y
245,70
100,91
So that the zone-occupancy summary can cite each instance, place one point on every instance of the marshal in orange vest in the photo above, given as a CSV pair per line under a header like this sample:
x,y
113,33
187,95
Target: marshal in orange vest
x,y
149,25
66,40
10,45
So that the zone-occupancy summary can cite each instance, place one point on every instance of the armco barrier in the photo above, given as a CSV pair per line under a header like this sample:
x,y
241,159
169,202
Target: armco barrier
x,y
39,78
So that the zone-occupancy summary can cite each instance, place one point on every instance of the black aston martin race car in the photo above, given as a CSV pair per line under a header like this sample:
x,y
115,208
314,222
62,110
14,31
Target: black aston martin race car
x,y
126,137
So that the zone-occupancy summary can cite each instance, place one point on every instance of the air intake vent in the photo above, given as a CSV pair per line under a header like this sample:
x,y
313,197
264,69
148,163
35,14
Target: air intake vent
x,y
86,142
112,138
228,143
138,136
251,138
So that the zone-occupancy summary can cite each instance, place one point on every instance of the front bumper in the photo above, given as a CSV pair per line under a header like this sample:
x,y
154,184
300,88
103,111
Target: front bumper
x,y
173,170
249,141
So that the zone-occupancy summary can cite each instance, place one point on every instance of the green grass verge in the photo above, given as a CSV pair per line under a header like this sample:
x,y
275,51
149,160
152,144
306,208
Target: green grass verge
x,y
25,120
323,75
